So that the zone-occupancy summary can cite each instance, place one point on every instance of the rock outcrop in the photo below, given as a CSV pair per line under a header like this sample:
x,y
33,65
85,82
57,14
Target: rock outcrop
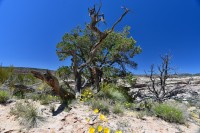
x,y
190,87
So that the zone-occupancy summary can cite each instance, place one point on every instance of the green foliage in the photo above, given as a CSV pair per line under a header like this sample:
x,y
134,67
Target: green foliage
x,y
19,109
169,113
63,72
86,95
102,105
43,87
145,105
111,91
29,114
4,96
117,51
19,95
5,73
25,79
120,48
44,98
47,99
111,97
129,105
131,79
117,109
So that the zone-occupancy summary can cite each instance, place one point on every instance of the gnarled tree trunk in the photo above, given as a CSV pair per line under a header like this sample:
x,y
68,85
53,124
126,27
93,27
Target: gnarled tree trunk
x,y
53,82
78,83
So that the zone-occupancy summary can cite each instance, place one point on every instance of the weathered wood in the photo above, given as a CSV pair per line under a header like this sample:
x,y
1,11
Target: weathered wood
x,y
53,82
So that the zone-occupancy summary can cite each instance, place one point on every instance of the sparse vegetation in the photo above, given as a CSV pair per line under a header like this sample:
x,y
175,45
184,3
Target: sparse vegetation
x,y
5,73
86,95
4,96
170,113
28,113
44,98
112,92
102,105
140,115
131,79
99,60
118,109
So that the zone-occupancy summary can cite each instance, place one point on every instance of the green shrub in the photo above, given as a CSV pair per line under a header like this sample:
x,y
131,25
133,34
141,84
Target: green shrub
x,y
43,98
131,79
5,73
117,109
102,105
25,79
47,99
111,91
129,105
28,113
140,115
19,109
4,96
169,113
86,95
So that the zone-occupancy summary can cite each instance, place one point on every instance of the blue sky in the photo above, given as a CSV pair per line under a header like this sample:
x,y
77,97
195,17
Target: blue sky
x,y
30,30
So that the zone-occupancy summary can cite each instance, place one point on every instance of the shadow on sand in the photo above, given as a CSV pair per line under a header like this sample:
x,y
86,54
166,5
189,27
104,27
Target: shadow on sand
x,y
60,109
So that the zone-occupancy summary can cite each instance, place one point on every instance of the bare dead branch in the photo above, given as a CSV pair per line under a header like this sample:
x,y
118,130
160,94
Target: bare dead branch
x,y
122,16
158,85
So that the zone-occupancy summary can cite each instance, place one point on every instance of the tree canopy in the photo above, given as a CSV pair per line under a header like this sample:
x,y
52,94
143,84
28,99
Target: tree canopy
x,y
117,51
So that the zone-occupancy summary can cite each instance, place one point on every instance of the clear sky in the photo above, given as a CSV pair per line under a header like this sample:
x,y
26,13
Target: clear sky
x,y
31,29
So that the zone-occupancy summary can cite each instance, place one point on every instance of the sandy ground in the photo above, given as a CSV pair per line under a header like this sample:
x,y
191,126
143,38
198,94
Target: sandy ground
x,y
75,121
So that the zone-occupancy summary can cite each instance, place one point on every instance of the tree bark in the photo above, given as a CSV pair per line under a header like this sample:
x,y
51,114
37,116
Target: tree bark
x,y
53,82
78,83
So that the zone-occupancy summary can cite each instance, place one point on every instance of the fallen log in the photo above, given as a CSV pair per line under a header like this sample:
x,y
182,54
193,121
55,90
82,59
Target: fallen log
x,y
52,81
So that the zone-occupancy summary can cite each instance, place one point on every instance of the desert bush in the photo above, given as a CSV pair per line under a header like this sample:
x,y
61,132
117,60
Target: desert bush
x,y
102,105
170,113
117,109
86,95
140,115
5,73
63,72
4,96
25,79
28,113
111,91
30,79
131,79
129,105
19,109
47,99
43,98
44,88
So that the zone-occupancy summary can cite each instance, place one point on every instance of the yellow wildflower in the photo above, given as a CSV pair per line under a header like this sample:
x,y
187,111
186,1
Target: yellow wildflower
x,y
96,111
118,131
106,130
91,130
87,119
102,117
99,128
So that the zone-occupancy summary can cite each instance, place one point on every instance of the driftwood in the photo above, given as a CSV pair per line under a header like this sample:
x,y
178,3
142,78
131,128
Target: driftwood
x,y
53,82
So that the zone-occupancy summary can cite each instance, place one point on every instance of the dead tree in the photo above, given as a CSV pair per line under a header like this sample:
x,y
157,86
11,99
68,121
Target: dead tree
x,y
158,82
